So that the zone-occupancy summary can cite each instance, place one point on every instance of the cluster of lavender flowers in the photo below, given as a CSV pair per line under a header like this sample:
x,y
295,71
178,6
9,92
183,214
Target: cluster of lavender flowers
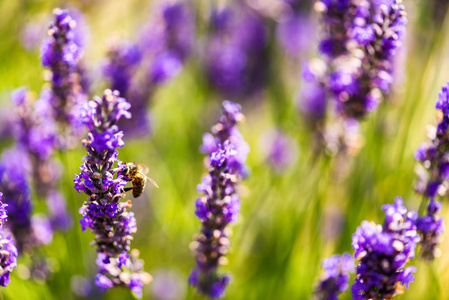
x,y
168,40
433,155
359,47
16,194
220,204
61,55
37,132
336,277
104,213
8,252
382,253
136,70
236,51
432,176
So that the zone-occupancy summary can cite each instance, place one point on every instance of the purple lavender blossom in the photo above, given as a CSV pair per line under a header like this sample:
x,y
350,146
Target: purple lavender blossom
x,y
61,54
216,209
382,253
37,133
431,227
226,129
360,44
235,57
312,95
103,213
335,279
334,17
29,232
8,257
3,211
8,252
434,155
431,176
35,128
16,194
379,38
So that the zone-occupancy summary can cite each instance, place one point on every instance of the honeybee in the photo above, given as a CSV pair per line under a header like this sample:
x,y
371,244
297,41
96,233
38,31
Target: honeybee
x,y
137,176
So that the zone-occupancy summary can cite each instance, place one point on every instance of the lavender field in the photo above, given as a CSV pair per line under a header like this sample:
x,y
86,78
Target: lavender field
x,y
204,149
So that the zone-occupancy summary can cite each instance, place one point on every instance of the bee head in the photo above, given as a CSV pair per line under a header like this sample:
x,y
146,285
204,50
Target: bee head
x,y
129,169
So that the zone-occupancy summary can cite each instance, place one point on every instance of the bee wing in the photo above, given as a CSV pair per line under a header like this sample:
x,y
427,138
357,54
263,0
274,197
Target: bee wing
x,y
151,180
142,169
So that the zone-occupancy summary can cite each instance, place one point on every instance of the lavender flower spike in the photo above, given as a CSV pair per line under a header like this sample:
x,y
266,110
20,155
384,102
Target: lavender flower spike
x,y
434,155
103,212
379,39
37,133
431,227
218,207
382,253
433,174
8,252
61,55
336,277
16,194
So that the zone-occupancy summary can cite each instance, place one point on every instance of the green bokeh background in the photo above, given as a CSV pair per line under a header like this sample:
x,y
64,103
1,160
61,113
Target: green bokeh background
x,y
288,222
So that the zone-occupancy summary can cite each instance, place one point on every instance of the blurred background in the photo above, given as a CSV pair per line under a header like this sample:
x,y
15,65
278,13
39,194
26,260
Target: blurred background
x,y
298,207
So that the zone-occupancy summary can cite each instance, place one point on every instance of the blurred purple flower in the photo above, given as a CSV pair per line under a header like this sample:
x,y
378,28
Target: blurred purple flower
x,y
37,133
335,279
431,227
360,44
16,194
8,252
122,61
61,54
312,95
382,253
235,55
433,155
59,216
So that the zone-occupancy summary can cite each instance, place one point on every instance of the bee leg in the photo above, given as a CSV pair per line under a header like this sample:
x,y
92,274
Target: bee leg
x,y
127,189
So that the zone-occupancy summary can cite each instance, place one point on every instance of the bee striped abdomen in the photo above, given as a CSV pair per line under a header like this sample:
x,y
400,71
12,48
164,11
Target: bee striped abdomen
x,y
138,186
